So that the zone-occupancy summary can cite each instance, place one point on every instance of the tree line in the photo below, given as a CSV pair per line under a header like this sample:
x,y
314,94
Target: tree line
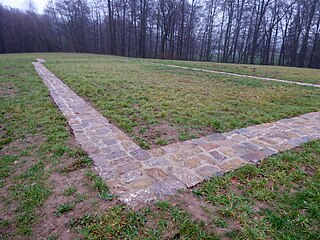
x,y
268,32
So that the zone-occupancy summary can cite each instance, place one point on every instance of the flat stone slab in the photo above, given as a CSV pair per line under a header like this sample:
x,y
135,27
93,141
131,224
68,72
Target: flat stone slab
x,y
138,175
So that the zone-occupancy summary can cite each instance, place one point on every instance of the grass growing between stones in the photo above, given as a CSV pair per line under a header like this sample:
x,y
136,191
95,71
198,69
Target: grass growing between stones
x,y
305,75
157,105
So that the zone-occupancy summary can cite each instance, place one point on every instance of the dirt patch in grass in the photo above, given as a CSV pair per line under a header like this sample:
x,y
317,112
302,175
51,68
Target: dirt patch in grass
x,y
7,213
258,206
156,134
310,170
67,174
198,208
7,90
22,150
84,199
163,134
18,146
70,185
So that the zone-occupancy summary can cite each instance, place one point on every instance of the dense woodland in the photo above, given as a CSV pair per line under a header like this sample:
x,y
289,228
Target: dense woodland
x,y
269,32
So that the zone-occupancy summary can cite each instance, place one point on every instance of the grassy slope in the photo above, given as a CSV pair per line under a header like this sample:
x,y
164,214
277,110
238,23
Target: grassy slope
x,y
306,75
158,105
278,199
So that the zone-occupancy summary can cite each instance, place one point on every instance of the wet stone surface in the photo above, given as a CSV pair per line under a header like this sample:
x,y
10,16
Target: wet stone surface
x,y
138,175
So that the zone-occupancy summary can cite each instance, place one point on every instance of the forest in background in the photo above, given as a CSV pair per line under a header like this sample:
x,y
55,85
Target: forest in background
x,y
268,32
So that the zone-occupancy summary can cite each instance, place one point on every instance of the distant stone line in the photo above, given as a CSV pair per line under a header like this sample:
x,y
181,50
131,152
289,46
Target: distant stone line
x,y
139,176
236,75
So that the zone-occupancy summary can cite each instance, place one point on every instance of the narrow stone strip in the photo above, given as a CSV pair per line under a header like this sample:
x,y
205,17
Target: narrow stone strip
x,y
238,75
138,176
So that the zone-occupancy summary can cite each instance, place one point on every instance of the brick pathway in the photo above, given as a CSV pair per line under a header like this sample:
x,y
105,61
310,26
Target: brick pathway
x,y
237,75
138,175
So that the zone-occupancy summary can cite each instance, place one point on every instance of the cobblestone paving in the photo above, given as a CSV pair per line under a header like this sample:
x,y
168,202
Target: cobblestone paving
x,y
237,75
138,175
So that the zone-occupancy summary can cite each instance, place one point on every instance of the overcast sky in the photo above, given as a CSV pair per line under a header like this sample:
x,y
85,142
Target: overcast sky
x,y
39,4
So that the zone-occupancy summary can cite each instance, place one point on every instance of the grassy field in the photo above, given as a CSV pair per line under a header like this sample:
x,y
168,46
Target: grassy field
x,y
306,75
157,105
49,191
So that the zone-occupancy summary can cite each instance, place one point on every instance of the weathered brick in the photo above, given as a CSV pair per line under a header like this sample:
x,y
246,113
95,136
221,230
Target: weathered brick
x,y
229,152
217,156
157,152
140,155
178,147
199,159
193,162
208,171
182,155
108,142
127,167
255,156
156,173
249,146
209,146
131,176
123,160
156,162
102,131
167,187
129,145
284,147
186,176
216,137
144,182
98,158
115,155
232,164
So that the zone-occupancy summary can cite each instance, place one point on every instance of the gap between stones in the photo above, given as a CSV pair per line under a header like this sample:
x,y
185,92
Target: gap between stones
x,y
139,176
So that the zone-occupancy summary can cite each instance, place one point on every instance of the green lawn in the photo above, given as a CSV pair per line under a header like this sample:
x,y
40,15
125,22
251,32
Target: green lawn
x,y
305,75
158,105
49,191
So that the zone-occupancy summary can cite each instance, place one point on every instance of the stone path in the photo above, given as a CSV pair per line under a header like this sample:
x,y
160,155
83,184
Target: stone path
x,y
237,75
138,175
